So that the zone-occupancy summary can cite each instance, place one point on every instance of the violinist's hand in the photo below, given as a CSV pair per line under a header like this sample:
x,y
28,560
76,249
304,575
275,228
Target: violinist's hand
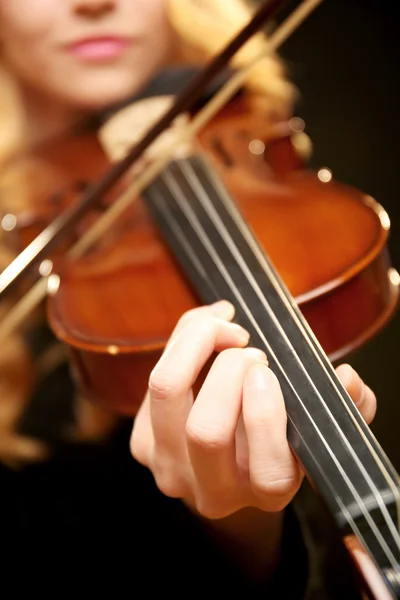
x,y
227,449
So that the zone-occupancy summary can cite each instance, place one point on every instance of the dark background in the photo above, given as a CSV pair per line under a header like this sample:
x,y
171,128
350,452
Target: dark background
x,y
344,61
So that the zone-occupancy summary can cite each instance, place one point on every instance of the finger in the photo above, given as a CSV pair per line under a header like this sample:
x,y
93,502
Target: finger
x,y
211,429
170,471
273,470
171,396
142,439
221,309
362,395
171,381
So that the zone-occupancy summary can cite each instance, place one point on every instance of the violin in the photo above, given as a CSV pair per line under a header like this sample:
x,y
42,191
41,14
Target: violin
x,y
303,258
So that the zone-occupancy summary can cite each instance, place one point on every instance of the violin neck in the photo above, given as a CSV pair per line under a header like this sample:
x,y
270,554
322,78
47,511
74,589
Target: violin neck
x,y
222,258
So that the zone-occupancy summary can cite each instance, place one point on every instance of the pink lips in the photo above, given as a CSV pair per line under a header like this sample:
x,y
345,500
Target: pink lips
x,y
98,49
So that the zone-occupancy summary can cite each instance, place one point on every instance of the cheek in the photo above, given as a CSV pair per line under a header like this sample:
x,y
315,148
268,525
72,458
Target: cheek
x,y
19,25
24,32
150,19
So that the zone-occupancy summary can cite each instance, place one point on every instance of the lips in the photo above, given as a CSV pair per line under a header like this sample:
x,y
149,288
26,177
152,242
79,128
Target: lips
x,y
99,48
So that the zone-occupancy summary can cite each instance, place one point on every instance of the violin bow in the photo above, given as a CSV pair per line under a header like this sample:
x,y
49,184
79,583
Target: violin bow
x,y
40,247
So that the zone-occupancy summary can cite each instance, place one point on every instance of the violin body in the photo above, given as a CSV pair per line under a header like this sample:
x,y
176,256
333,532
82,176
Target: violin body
x,y
116,306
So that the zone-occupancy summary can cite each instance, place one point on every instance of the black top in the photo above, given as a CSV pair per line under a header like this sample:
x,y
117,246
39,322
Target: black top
x,y
92,514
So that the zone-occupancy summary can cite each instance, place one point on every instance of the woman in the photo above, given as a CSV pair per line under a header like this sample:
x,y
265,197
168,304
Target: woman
x,y
87,507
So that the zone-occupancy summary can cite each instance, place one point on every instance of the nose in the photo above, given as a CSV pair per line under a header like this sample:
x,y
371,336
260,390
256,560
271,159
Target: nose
x,y
93,8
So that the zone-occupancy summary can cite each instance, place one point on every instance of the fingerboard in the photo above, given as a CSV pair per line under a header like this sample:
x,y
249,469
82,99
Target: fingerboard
x,y
221,257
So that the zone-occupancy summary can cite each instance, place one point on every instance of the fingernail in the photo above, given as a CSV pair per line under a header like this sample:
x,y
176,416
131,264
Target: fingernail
x,y
257,354
223,309
258,376
241,332
346,374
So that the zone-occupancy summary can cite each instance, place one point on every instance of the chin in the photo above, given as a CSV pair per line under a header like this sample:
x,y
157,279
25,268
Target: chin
x,y
98,93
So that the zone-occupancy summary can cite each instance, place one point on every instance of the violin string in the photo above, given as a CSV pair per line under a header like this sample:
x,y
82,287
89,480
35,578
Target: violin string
x,y
192,177
169,217
301,323
202,196
184,242
203,238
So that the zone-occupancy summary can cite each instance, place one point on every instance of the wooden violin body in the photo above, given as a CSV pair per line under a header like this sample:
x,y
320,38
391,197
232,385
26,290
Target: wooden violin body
x,y
116,306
